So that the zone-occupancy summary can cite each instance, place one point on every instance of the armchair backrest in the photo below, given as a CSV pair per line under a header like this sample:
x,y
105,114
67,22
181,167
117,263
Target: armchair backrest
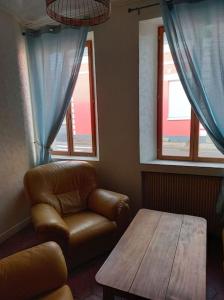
x,y
65,185
32,272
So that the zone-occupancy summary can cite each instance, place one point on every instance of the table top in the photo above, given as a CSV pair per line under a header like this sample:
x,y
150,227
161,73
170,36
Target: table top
x,y
160,256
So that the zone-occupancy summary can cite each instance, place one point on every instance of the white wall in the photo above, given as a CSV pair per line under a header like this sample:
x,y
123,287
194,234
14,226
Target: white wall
x,y
14,127
117,79
148,66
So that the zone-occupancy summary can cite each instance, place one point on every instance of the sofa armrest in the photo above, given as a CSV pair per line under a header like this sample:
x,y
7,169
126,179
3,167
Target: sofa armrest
x,y
111,205
48,223
31,272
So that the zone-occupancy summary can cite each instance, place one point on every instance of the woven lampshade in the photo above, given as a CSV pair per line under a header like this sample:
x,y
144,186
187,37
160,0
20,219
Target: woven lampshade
x,y
79,12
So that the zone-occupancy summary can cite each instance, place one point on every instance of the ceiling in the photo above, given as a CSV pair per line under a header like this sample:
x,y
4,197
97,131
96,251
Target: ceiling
x,y
28,13
32,13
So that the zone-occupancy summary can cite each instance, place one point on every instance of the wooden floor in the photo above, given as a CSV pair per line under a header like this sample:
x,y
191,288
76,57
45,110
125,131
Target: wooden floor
x,y
82,280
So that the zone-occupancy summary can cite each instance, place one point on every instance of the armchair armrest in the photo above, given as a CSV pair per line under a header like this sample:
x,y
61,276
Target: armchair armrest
x,y
31,272
112,205
48,223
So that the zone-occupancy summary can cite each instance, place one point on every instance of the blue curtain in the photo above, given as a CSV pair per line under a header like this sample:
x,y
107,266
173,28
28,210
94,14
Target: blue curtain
x,y
195,32
54,59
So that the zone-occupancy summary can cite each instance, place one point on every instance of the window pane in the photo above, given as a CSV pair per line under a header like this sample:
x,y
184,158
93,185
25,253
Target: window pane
x,y
206,146
60,142
81,109
176,110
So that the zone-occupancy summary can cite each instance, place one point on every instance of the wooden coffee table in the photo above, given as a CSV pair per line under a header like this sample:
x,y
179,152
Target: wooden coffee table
x,y
160,256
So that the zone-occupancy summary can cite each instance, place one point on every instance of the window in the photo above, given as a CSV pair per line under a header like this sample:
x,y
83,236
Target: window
x,y
77,135
180,134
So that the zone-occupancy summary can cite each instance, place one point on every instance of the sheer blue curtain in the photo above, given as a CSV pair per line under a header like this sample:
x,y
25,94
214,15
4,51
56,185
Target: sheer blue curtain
x,y
54,59
195,32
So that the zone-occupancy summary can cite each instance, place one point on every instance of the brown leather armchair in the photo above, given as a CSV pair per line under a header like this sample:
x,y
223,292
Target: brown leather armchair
x,y
36,273
67,207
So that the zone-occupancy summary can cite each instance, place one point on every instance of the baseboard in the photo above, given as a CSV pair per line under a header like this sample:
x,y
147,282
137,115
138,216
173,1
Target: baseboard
x,y
14,229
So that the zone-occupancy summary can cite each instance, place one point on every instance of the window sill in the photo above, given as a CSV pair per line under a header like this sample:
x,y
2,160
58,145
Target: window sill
x,y
184,167
66,157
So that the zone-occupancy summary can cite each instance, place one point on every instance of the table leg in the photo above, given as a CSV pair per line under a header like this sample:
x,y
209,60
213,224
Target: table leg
x,y
107,293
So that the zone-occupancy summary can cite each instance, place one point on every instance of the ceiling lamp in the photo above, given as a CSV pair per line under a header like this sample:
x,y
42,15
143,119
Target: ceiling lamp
x,y
79,12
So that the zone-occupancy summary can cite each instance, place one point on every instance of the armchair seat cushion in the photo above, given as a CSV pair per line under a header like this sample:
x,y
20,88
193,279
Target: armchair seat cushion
x,y
87,226
63,293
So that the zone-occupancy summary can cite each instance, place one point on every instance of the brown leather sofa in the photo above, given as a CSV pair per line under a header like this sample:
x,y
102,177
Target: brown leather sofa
x,y
36,273
67,207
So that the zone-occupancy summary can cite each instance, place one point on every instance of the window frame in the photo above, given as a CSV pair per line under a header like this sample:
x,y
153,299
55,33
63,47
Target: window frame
x,y
194,126
69,125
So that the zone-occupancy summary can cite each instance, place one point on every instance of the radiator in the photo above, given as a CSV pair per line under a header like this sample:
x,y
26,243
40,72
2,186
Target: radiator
x,y
184,194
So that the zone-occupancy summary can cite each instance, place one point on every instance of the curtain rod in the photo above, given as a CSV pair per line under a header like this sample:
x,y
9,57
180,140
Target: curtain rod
x,y
142,7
